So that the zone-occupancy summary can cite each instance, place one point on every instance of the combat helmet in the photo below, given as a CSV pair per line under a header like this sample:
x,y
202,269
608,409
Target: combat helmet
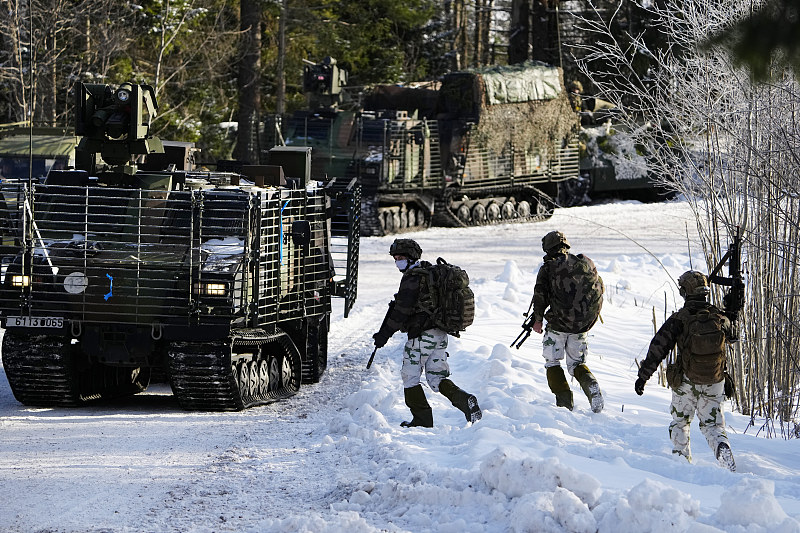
x,y
406,247
576,86
554,241
692,284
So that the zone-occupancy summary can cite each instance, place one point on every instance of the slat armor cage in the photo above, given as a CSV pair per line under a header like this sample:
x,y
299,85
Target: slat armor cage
x,y
225,256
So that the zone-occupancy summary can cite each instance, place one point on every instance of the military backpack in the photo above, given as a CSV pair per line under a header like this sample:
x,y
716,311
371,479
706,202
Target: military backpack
x,y
703,349
576,290
446,297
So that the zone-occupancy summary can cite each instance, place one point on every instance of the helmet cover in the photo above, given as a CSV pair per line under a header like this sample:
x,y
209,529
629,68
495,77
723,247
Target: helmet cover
x,y
406,247
554,240
693,283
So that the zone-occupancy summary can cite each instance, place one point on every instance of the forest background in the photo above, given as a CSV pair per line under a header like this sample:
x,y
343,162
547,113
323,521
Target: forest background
x,y
218,62
707,89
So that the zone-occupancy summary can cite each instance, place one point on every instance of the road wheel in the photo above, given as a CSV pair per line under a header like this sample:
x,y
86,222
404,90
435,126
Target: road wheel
x,y
493,212
463,214
479,213
508,211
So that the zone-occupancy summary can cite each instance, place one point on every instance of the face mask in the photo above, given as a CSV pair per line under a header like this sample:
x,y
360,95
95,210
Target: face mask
x,y
402,264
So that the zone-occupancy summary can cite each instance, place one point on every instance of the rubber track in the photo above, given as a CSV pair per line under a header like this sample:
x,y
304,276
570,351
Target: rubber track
x,y
202,378
40,370
443,215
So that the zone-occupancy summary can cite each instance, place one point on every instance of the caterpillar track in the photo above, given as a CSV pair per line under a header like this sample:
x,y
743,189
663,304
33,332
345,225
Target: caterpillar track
x,y
404,217
253,368
45,371
498,205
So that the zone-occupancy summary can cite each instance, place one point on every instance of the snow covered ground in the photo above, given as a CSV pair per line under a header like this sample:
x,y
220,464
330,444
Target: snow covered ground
x,y
334,459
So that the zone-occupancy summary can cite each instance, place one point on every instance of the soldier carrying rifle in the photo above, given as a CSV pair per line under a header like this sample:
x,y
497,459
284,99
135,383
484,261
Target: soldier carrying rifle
x,y
699,377
568,294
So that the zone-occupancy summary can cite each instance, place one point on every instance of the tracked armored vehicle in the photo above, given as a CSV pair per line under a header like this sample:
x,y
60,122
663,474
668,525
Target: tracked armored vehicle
x,y
477,147
219,282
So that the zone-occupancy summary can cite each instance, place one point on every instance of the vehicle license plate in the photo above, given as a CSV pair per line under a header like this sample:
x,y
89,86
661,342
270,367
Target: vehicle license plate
x,y
34,322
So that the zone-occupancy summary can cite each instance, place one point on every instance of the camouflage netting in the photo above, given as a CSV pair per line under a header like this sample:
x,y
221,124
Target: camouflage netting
x,y
520,83
536,113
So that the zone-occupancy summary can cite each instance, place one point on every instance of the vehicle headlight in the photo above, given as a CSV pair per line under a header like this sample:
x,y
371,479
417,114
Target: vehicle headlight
x,y
18,280
211,288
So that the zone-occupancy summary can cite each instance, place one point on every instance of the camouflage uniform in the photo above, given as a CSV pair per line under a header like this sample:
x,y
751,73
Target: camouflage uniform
x,y
701,392
425,347
570,313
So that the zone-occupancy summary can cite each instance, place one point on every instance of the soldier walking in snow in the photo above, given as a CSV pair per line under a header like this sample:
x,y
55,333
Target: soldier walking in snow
x,y
569,294
702,333
426,345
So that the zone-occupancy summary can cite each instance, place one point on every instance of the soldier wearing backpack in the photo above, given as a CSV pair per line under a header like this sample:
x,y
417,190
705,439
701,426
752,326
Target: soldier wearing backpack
x,y
569,294
701,332
426,345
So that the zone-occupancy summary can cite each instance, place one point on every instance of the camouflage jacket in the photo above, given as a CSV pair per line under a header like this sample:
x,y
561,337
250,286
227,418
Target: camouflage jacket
x,y
404,313
673,333
564,300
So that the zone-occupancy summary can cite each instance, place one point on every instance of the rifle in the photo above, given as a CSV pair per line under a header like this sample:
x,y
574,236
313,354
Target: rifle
x,y
371,357
527,327
733,301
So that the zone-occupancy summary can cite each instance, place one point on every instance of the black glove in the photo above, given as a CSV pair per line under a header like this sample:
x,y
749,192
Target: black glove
x,y
639,386
380,339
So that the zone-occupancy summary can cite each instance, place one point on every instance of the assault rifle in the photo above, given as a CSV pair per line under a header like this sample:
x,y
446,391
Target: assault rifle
x,y
733,301
527,327
372,357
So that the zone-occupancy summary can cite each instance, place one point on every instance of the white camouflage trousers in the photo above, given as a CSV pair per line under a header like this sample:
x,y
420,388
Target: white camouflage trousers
x,y
706,400
556,345
426,352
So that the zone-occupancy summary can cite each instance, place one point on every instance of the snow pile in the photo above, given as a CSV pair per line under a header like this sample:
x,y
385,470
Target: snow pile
x,y
334,459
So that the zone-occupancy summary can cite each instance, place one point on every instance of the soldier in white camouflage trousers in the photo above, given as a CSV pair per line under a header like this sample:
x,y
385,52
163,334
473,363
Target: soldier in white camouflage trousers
x,y
569,295
701,333
426,344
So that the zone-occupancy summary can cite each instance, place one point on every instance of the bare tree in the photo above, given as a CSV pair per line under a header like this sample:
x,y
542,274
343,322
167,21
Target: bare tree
x,y
732,149
46,45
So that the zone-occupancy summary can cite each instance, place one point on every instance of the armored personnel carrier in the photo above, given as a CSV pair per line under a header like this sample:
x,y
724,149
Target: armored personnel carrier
x,y
222,282
476,147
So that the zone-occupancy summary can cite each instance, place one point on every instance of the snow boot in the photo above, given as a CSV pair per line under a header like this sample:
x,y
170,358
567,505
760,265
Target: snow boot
x,y
465,402
559,386
421,412
590,387
725,457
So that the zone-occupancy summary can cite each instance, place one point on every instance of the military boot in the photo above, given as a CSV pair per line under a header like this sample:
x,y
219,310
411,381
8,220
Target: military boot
x,y
421,412
558,384
590,387
465,402
725,457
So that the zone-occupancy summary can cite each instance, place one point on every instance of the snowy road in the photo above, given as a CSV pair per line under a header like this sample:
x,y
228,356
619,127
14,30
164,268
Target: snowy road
x,y
333,458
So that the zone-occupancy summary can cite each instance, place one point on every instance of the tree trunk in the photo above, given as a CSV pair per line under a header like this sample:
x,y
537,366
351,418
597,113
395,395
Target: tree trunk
x,y
280,81
518,41
249,82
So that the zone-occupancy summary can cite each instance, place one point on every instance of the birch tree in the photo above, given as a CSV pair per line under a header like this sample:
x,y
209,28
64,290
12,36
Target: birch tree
x,y
732,148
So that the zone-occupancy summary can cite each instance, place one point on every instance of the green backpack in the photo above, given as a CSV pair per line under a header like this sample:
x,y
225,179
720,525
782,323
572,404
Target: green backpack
x,y
704,346
446,297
